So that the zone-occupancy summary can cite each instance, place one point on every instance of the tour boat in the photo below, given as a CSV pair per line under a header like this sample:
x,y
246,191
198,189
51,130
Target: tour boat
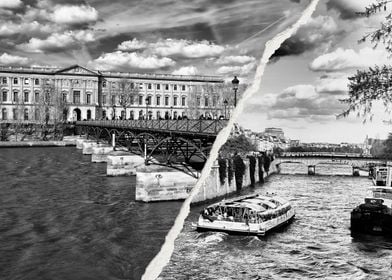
x,y
375,215
254,214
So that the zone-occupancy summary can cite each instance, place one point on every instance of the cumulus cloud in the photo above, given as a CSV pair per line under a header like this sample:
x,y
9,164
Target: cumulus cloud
x,y
132,45
11,28
7,59
126,60
72,14
238,59
186,70
347,9
301,91
342,59
9,4
333,85
186,48
319,32
58,42
237,70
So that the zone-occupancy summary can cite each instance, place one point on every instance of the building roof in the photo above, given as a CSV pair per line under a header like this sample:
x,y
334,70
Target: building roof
x,y
85,71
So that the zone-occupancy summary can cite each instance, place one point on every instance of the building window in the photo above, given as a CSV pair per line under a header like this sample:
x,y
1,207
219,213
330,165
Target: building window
x,y
140,114
64,97
149,86
175,100
131,115
4,80
198,101
88,98
15,114
36,82
183,87
175,87
113,100
15,99
76,97
183,101
158,115
36,97
104,84
158,100
158,86
26,114
26,81
36,114
15,81
206,101
4,114
166,87
175,115
5,96
132,100
140,99
26,96
214,101
104,99
140,86
166,100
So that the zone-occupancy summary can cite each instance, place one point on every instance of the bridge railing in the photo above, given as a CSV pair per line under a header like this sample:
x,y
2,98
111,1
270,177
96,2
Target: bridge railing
x,y
324,154
209,127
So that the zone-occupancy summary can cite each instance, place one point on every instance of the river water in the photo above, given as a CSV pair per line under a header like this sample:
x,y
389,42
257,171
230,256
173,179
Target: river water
x,y
62,218
317,245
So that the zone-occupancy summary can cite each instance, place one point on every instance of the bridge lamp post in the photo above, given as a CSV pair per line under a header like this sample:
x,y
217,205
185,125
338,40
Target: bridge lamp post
x,y
235,83
225,104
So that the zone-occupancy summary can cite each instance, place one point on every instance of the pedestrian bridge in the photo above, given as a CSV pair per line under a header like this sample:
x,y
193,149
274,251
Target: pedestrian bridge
x,y
312,159
186,143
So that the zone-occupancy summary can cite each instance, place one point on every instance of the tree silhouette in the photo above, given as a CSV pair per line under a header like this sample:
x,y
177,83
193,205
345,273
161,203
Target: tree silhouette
x,y
374,84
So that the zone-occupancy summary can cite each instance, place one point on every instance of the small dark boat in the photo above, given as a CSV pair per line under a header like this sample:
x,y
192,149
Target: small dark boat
x,y
375,215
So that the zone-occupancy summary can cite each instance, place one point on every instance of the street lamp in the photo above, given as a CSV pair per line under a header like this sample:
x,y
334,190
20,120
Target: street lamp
x,y
225,104
235,83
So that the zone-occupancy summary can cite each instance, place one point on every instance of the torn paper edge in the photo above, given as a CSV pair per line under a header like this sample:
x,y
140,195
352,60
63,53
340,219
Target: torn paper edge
x,y
156,265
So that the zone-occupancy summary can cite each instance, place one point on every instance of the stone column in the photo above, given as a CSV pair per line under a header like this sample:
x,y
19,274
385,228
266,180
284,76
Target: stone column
x,y
160,183
120,163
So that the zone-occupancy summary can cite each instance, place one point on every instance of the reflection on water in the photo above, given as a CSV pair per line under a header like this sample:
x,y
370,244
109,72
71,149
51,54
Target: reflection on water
x,y
318,243
62,218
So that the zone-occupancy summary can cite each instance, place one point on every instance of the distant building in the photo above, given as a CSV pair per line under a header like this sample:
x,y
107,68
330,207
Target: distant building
x,y
273,131
92,94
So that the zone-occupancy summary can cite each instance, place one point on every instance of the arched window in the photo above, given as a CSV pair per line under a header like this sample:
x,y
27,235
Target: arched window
x,y
183,101
88,114
140,114
5,96
123,115
36,96
150,115
16,96
15,81
36,114
158,115
131,115
26,114
175,115
4,114
26,97
36,82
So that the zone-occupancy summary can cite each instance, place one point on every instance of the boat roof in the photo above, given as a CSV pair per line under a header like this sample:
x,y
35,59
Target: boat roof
x,y
258,203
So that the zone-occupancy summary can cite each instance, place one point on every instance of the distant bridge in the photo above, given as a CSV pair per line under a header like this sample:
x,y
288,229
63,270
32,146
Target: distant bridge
x,y
312,159
184,143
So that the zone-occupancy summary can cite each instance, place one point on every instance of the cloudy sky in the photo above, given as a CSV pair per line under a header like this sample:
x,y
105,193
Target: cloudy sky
x,y
220,37
308,75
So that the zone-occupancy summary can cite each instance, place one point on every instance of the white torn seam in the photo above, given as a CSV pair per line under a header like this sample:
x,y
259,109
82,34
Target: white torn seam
x,y
155,267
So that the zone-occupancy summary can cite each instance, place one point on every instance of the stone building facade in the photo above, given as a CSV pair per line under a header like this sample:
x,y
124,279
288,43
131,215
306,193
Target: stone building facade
x,y
90,94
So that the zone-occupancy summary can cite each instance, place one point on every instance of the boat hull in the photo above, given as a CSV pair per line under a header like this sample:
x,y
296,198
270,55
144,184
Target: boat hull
x,y
243,229
372,222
